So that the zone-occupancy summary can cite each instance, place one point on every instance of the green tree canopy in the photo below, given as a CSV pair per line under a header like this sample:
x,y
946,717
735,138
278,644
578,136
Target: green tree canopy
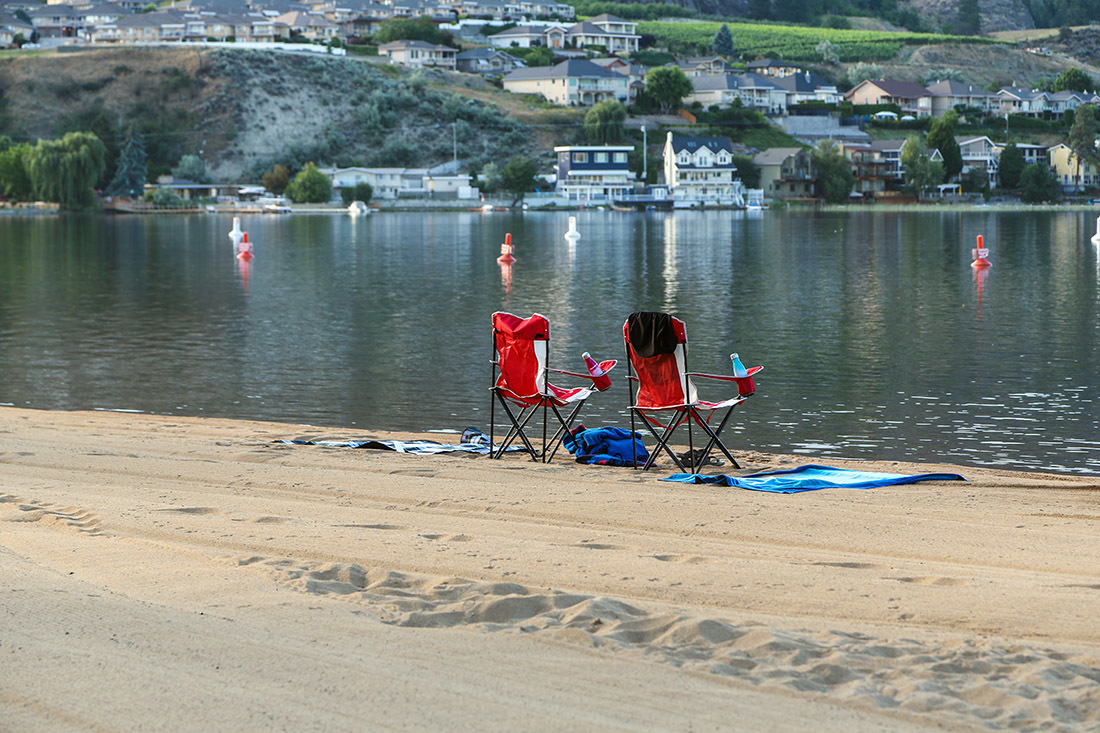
x,y
976,180
667,86
277,180
15,180
359,192
723,41
834,178
129,177
409,29
1011,165
603,124
1082,136
968,21
534,56
310,186
518,176
1073,80
191,168
921,172
942,138
1038,184
747,171
66,170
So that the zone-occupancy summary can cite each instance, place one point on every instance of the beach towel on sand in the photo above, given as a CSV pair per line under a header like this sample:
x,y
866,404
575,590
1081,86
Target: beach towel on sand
x,y
606,446
473,441
811,478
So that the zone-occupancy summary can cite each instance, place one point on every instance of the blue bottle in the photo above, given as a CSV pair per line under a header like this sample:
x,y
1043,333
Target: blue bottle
x,y
739,369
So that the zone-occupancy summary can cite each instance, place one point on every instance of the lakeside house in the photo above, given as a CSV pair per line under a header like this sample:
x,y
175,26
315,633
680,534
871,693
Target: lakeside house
x,y
700,170
394,183
593,173
787,173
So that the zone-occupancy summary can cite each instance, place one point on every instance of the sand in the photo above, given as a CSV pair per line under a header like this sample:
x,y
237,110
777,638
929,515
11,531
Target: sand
x,y
168,573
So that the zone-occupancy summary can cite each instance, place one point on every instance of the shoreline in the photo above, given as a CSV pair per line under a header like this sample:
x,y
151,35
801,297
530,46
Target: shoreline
x,y
238,580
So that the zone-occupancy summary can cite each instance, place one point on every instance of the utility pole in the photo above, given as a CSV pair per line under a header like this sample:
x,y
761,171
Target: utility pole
x,y
645,164
454,142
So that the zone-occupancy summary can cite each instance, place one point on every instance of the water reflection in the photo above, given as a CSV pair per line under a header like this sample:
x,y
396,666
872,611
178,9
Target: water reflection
x,y
879,339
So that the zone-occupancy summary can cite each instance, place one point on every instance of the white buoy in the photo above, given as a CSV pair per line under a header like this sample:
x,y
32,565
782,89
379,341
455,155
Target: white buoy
x,y
235,233
1096,237
572,234
358,208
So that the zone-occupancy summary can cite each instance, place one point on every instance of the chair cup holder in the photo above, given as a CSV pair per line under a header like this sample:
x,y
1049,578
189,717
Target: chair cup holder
x,y
745,386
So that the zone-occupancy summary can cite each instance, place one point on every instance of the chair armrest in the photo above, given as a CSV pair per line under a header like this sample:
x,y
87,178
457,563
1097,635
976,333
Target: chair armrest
x,y
569,374
725,377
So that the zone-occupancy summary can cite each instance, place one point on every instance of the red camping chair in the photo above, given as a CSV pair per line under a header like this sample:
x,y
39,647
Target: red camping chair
x,y
656,351
519,379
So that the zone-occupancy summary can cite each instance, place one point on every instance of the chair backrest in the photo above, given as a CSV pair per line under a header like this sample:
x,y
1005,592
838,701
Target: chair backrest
x,y
656,347
520,348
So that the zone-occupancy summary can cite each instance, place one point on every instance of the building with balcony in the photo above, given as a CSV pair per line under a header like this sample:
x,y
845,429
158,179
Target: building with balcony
x,y
594,173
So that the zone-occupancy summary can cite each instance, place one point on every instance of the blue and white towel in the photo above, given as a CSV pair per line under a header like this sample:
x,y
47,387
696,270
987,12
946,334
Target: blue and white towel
x,y
811,478
473,441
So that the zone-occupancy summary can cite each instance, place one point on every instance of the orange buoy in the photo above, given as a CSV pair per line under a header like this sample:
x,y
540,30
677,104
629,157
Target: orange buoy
x,y
244,247
980,253
506,250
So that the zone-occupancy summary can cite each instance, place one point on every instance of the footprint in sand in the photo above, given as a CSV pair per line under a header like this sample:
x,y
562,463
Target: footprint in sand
x,y
68,518
372,526
932,581
193,510
852,565
690,559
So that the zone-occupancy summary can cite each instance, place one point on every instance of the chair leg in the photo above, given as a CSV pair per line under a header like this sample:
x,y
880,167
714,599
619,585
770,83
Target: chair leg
x,y
518,424
715,439
662,442
563,427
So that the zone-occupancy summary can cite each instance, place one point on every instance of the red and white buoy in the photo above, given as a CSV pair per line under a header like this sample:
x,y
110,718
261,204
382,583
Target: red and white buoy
x,y
980,253
506,249
244,247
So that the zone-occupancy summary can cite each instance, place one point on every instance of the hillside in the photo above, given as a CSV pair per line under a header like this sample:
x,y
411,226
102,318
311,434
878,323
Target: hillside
x,y
243,111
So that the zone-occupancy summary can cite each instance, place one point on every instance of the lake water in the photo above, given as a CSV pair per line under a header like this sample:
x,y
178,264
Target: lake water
x,y
877,337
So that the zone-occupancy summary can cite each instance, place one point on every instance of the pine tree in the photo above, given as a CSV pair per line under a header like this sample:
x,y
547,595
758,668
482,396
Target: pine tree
x,y
969,19
723,41
942,138
129,179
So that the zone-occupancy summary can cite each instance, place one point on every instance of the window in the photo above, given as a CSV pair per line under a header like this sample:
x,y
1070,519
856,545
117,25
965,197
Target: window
x,y
580,157
599,157
620,157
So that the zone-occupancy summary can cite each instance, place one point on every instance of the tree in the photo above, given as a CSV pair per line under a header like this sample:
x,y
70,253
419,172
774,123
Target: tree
x,y
968,22
518,176
409,29
310,186
66,170
277,180
129,177
834,178
15,180
976,180
603,123
668,85
760,9
1038,184
1082,137
1011,165
358,192
747,171
723,41
942,138
862,71
191,168
921,172
827,49
1073,80
489,177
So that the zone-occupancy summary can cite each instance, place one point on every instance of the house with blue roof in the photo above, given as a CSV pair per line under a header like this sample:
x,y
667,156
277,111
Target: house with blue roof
x,y
700,170
594,173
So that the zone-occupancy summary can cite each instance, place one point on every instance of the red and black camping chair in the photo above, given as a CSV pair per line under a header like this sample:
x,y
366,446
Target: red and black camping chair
x,y
519,380
662,393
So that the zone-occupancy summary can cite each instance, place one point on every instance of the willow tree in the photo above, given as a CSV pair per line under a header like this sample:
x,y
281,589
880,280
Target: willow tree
x,y
603,124
66,170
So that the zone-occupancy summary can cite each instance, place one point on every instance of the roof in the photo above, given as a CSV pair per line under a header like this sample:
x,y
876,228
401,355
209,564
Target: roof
x,y
482,53
770,63
299,19
774,156
755,80
606,18
804,82
692,143
422,45
887,145
566,69
715,82
952,88
896,88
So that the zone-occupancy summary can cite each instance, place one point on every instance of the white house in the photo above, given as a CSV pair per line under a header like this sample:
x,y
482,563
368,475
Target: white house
x,y
594,172
700,170
419,54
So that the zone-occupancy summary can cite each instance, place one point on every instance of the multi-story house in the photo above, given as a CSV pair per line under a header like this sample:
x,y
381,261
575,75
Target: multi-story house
x,y
588,173
313,26
867,167
608,31
1073,174
889,152
576,81
486,61
949,94
1016,101
805,87
772,67
786,173
911,97
705,66
762,94
700,170
977,152
419,54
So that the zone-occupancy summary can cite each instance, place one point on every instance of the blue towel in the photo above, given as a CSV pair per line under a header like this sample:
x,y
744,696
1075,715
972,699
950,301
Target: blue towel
x,y
606,446
473,441
812,478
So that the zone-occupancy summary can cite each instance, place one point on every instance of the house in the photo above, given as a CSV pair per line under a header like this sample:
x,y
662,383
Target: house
x,y
1032,153
1072,174
868,169
704,66
701,170
419,54
612,33
772,67
486,61
530,36
762,94
714,90
545,9
313,26
392,183
805,87
1058,103
1016,101
575,81
949,94
11,26
594,172
786,173
977,152
911,97
889,152
54,21
635,73
190,190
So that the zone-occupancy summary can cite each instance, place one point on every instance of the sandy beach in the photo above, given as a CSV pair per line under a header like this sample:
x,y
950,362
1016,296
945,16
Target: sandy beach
x,y
168,573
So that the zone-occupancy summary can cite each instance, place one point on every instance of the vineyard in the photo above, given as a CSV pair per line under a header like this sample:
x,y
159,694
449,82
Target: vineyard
x,y
795,43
